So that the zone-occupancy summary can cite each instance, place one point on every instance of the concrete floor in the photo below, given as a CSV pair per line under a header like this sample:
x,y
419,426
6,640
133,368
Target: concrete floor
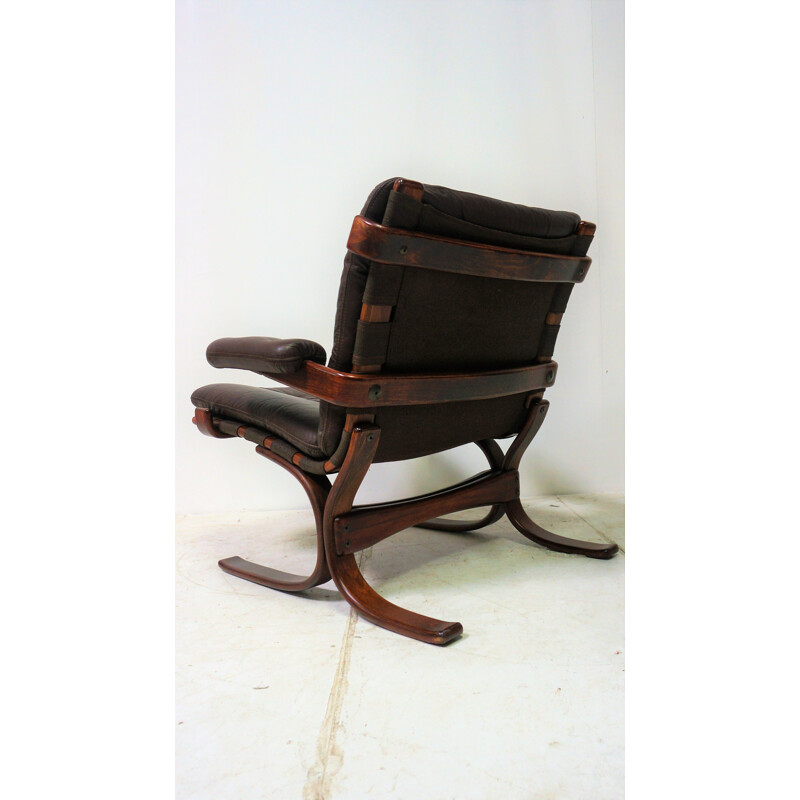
x,y
293,696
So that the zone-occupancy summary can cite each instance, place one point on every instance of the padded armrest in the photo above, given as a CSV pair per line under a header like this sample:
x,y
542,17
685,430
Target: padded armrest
x,y
264,354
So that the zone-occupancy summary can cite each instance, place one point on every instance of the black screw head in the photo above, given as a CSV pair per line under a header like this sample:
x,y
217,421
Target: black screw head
x,y
550,376
542,409
403,250
374,392
347,543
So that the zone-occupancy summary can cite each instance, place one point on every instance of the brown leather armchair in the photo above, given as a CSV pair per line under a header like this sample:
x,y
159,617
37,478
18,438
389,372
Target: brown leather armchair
x,y
448,312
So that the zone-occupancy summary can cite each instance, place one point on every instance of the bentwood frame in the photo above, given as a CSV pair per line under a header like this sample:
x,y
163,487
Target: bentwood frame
x,y
344,529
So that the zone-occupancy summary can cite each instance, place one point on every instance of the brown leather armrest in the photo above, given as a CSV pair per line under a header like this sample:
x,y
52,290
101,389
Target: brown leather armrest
x,y
264,354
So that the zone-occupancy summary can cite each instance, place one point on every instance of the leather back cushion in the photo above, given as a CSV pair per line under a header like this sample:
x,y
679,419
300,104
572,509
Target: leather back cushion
x,y
445,322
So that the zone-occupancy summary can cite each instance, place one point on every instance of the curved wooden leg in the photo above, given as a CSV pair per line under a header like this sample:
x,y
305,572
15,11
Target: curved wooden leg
x,y
520,520
495,457
344,569
317,488
528,528
380,611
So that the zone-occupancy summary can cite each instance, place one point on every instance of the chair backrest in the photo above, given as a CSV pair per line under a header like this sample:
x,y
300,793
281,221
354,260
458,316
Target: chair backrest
x,y
393,318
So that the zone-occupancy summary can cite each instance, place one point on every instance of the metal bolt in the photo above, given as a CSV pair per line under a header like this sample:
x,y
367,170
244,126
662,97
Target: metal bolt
x,y
374,392
550,376
347,543
403,250
542,409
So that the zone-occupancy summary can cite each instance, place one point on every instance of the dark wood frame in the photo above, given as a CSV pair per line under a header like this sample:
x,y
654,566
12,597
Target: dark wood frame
x,y
344,529
409,249
359,390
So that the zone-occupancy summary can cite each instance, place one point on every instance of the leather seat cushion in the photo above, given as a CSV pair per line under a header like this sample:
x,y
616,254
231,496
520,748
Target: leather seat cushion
x,y
290,414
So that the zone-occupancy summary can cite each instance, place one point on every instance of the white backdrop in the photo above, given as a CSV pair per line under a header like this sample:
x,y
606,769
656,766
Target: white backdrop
x,y
287,115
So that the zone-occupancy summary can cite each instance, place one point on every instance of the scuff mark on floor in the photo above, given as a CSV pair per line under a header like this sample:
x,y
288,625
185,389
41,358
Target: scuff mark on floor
x,y
329,754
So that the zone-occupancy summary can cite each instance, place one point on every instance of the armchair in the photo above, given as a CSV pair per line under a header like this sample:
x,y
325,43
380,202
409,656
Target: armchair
x,y
448,312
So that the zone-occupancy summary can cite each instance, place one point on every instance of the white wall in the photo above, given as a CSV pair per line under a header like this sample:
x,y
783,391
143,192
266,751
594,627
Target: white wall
x,y
287,114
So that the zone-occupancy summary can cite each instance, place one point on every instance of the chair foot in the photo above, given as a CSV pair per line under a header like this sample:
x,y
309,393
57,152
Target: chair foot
x,y
317,488
378,610
344,569
274,578
495,456
528,528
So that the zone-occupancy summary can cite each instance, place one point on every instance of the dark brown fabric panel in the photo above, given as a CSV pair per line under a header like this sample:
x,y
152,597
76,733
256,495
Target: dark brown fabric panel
x,y
582,245
561,297
256,435
283,449
383,284
451,322
228,426
547,343
412,431
371,342
310,465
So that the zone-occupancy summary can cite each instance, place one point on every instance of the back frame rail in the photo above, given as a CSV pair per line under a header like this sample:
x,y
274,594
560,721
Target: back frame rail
x,y
410,249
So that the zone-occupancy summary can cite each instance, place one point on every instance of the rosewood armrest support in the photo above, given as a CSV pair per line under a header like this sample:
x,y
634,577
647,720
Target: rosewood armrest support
x,y
362,390
264,354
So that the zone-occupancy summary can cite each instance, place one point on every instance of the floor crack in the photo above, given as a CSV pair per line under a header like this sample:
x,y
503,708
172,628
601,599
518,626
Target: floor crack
x,y
329,754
